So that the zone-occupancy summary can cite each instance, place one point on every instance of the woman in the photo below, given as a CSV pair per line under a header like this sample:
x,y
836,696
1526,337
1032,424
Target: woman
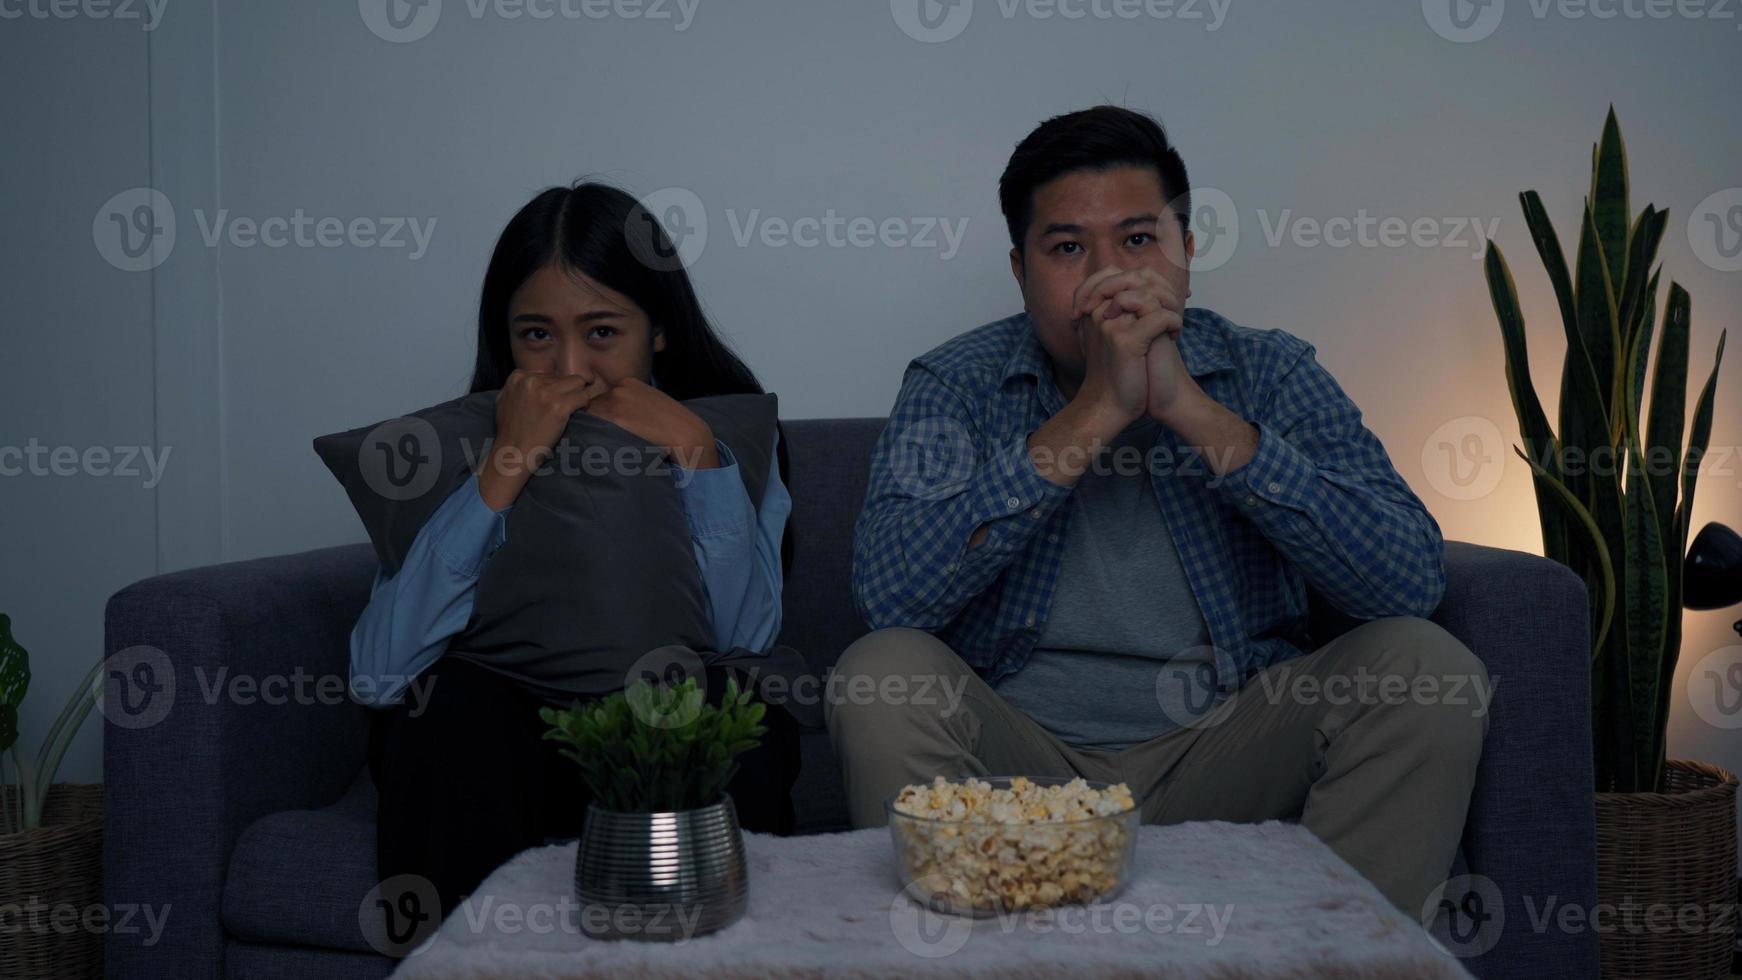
x,y
570,320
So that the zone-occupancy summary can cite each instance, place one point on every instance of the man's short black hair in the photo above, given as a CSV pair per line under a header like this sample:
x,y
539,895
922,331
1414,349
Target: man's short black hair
x,y
1100,138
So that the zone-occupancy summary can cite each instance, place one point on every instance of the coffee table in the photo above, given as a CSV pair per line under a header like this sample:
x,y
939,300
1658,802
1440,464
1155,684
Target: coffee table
x,y
1205,900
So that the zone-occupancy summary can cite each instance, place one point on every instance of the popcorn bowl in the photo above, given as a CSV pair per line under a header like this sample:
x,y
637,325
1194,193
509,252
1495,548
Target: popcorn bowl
x,y
982,847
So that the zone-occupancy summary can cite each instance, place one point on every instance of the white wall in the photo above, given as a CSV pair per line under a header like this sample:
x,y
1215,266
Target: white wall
x,y
787,108
76,355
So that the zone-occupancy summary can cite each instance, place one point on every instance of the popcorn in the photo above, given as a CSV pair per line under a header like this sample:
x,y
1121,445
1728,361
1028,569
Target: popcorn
x,y
1028,846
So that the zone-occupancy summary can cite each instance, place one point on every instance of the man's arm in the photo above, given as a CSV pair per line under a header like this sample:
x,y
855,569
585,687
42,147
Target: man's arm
x,y
931,489
1321,488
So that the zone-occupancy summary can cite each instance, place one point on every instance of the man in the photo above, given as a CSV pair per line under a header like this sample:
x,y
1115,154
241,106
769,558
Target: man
x,y
1097,521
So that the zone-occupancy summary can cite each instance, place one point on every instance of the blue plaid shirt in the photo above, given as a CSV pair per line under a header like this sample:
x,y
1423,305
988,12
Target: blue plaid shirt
x,y
1320,503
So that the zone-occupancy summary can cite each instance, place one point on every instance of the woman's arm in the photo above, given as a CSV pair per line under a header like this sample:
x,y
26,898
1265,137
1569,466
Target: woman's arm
x,y
737,547
412,614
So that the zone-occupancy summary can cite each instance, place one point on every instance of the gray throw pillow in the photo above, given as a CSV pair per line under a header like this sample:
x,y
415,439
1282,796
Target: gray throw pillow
x,y
598,571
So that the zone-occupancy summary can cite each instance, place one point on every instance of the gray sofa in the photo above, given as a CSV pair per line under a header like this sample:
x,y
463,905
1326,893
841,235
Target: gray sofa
x,y
252,817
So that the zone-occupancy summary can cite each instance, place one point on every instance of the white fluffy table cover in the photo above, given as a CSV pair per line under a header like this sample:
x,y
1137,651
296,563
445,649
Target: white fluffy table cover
x,y
1205,900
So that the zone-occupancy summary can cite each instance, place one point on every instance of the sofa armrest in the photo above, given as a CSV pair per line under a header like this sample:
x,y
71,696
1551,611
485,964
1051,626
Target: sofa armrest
x,y
257,720
1532,823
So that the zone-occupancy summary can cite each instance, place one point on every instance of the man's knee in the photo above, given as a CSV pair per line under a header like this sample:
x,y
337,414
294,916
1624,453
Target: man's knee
x,y
895,669
1445,686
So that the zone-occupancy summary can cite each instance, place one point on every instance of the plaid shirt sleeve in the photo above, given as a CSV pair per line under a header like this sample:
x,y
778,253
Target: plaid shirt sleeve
x,y
933,483
1323,491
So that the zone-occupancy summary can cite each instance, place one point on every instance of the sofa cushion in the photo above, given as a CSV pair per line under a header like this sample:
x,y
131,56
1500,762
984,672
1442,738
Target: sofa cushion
x,y
299,877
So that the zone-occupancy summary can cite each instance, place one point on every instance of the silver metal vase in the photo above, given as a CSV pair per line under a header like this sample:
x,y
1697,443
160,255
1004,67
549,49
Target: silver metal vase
x,y
660,876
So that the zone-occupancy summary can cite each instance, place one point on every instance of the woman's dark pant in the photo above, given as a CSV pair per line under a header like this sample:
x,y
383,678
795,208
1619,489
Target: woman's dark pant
x,y
466,779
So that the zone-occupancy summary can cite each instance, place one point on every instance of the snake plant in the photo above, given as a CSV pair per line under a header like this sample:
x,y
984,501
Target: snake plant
x,y
34,777
1614,492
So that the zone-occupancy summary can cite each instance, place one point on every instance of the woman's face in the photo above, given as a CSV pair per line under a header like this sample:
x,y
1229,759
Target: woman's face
x,y
562,322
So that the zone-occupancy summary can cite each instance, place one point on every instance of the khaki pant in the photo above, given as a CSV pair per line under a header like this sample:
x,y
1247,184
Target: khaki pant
x,y
1381,775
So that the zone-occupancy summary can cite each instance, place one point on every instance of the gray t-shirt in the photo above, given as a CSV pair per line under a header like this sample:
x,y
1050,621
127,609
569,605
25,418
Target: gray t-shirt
x,y
1125,654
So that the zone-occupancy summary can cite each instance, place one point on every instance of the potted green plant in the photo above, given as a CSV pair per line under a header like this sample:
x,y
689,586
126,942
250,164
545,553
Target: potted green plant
x,y
51,834
1615,495
661,856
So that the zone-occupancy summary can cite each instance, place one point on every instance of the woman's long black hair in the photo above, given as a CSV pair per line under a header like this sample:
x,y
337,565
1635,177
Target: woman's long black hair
x,y
588,228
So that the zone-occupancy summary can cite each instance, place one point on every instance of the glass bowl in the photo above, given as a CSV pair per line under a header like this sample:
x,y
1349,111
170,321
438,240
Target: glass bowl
x,y
982,867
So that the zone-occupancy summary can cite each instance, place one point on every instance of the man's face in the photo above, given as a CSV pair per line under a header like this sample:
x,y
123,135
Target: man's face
x,y
1083,222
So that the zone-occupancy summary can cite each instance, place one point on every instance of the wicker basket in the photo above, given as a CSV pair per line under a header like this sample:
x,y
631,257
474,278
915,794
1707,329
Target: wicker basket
x,y
1672,854
58,865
